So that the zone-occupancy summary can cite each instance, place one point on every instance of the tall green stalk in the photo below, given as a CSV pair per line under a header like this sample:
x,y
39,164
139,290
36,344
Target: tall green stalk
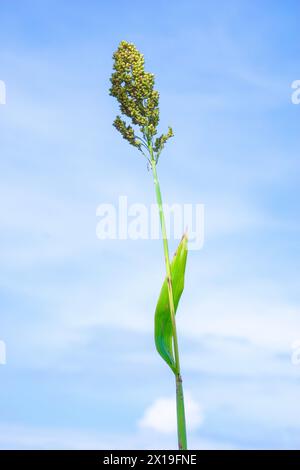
x,y
138,100
181,426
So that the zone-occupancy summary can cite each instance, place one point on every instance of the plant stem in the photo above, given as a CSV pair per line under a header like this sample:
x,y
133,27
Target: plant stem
x,y
182,442
181,426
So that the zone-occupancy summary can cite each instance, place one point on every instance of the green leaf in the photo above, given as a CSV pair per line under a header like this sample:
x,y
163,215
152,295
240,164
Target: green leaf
x,y
163,324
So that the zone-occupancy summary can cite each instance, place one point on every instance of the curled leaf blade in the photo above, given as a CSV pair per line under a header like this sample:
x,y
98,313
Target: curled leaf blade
x,y
163,324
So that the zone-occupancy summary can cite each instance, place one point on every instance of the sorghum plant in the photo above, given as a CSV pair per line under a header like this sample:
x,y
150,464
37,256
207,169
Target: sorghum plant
x,y
133,87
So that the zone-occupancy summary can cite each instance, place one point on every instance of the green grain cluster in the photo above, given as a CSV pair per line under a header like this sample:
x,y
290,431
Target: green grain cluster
x,y
133,87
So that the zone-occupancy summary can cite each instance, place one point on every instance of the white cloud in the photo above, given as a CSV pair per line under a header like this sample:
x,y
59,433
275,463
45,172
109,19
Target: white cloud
x,y
161,415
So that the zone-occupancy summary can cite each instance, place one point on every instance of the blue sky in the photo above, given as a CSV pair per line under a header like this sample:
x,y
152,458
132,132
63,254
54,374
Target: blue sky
x,y
77,312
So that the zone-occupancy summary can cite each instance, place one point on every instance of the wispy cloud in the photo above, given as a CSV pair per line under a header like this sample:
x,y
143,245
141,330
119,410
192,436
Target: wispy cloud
x,y
15,436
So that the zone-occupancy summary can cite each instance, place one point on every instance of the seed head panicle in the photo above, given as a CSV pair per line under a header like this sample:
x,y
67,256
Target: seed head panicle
x,y
133,87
